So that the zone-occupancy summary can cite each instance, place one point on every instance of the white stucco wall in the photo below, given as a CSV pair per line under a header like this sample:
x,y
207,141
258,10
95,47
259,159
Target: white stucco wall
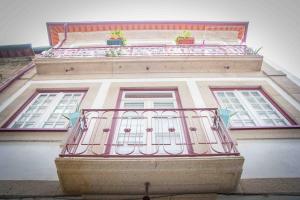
x,y
270,158
263,159
28,160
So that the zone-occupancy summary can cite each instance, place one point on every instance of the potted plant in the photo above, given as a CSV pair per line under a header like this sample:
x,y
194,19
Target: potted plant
x,y
116,38
185,38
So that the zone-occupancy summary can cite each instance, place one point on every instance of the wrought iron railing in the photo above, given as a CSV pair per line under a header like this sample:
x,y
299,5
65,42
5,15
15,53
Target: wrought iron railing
x,y
149,133
154,50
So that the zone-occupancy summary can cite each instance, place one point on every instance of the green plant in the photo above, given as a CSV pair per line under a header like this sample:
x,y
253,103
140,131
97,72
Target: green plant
x,y
113,53
118,34
183,35
256,51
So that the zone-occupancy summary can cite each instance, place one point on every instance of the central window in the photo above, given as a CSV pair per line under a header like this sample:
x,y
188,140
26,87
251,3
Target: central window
x,y
149,123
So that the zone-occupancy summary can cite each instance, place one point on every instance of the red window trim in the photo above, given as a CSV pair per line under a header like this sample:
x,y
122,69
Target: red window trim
x,y
293,123
118,104
4,127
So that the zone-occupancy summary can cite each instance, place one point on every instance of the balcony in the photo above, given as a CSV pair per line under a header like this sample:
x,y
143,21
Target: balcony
x,y
115,151
145,59
154,50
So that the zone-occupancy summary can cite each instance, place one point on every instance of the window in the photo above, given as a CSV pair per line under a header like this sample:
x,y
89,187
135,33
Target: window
x,y
251,107
47,110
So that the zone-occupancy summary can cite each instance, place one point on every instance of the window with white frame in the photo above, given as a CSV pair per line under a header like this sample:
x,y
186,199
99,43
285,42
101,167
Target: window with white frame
x,y
250,108
48,110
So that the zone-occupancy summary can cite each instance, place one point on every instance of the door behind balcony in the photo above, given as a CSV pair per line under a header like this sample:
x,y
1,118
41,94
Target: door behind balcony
x,y
149,125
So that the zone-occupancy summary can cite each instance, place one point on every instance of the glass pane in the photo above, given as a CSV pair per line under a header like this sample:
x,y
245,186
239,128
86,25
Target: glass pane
x,y
249,123
256,106
280,122
29,125
245,94
230,94
220,94
48,125
266,107
255,93
59,109
41,110
17,125
59,125
234,100
34,118
52,118
273,115
134,105
268,122
236,123
166,105
244,115
262,115
260,100
251,100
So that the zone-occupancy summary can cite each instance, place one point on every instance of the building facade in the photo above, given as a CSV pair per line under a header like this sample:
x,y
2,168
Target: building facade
x,y
122,110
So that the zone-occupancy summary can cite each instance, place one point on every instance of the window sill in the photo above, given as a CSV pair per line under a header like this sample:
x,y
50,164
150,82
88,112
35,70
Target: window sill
x,y
264,127
33,129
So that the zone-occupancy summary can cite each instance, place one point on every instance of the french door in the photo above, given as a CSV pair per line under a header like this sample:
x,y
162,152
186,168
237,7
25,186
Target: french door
x,y
149,124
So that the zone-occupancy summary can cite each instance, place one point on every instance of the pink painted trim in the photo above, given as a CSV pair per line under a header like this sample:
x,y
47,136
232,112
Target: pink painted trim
x,y
17,75
263,92
118,104
36,92
50,90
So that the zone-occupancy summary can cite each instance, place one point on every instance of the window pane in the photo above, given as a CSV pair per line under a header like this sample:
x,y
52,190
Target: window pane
x,y
43,113
165,105
134,105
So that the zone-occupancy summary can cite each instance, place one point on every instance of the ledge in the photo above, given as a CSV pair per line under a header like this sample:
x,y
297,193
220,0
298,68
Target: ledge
x,y
150,64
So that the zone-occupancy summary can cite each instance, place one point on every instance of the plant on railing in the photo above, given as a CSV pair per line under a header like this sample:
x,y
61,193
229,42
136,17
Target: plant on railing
x,y
113,53
116,38
256,51
48,53
185,38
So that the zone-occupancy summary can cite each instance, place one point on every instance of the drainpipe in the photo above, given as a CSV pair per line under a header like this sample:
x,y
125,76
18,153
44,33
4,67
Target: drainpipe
x,y
146,197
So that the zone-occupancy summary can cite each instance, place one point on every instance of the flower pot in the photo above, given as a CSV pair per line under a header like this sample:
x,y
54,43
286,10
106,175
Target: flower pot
x,y
115,42
189,40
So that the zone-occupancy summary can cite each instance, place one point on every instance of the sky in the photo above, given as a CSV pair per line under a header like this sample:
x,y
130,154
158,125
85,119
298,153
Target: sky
x,y
274,25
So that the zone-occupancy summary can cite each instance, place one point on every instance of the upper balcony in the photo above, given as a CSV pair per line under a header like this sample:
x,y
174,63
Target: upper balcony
x,y
116,151
217,47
